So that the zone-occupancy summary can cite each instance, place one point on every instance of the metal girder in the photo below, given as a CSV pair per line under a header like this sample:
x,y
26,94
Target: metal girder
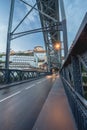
x,y
40,11
9,33
24,18
51,8
46,22
45,29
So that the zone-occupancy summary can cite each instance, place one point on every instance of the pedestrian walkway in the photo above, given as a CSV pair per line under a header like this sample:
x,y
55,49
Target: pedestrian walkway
x,y
56,113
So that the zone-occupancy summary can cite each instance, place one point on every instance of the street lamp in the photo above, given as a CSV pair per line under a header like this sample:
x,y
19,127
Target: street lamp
x,y
57,48
57,45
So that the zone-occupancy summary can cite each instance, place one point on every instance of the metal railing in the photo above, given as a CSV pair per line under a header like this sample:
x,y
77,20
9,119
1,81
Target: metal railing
x,y
11,75
71,75
78,105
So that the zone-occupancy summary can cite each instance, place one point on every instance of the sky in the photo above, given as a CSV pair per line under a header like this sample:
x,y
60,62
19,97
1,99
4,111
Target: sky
x,y
75,12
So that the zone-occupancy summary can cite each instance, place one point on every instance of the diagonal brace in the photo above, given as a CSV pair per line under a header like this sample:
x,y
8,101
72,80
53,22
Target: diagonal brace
x,y
24,18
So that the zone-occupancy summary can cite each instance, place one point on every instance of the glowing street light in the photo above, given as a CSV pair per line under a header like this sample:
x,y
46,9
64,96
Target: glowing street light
x,y
57,46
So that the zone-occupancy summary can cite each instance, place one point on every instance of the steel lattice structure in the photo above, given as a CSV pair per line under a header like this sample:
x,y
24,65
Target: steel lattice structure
x,y
53,21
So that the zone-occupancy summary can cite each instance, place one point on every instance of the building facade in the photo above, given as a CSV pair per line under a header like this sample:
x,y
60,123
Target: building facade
x,y
25,59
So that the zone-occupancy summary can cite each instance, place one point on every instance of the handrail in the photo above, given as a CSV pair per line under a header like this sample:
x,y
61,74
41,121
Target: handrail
x,y
81,99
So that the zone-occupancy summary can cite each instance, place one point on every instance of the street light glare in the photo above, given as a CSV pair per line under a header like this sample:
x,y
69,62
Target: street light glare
x,y
57,46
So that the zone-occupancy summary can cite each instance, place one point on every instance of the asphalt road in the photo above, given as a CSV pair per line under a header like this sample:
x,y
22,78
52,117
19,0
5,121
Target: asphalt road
x,y
21,104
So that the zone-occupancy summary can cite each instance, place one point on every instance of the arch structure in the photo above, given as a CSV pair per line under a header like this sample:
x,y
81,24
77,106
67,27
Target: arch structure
x,y
53,26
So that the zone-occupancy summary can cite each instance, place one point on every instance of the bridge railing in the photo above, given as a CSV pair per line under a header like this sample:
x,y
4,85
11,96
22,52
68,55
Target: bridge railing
x,y
72,73
78,105
14,75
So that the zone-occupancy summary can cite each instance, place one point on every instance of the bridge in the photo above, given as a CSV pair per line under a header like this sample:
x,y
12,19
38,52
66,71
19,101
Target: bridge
x,y
44,100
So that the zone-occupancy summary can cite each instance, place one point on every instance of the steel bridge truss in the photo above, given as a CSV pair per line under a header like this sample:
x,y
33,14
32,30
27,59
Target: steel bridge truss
x,y
53,22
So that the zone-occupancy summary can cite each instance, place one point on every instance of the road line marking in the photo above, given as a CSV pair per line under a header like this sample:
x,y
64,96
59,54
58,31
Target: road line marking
x,y
39,82
30,86
10,96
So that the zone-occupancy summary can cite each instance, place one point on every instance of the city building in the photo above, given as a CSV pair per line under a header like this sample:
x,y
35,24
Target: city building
x,y
28,59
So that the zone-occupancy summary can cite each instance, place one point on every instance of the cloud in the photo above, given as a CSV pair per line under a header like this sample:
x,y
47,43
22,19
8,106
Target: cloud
x,y
75,12
33,18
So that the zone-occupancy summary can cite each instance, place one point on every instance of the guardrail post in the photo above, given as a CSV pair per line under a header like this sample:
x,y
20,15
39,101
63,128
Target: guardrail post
x,y
77,78
7,76
68,74
64,73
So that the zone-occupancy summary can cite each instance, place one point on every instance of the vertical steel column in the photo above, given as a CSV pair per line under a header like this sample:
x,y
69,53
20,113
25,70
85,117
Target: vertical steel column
x,y
77,75
47,50
64,28
9,34
49,59
68,74
58,34
65,37
64,72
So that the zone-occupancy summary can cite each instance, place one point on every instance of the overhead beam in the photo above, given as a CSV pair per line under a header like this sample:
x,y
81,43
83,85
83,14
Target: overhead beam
x,y
24,18
39,11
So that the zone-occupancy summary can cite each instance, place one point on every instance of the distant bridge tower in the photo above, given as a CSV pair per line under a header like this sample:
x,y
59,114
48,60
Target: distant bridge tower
x,y
53,21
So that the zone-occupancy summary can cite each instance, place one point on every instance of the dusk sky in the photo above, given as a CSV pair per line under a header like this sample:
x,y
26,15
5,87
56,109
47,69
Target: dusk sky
x,y
75,12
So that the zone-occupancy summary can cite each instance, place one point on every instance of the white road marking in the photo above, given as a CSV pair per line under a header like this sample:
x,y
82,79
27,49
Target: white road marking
x,y
10,96
30,86
41,81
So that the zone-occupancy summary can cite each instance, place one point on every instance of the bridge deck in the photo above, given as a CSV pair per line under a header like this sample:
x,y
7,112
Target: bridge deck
x,y
56,113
